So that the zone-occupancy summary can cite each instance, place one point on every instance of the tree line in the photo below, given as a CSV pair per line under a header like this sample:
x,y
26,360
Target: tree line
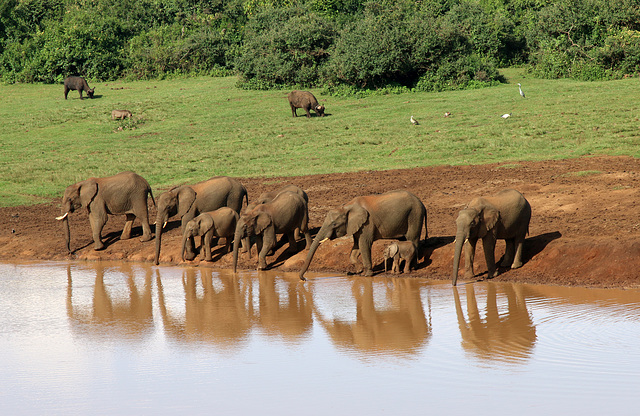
x,y
424,45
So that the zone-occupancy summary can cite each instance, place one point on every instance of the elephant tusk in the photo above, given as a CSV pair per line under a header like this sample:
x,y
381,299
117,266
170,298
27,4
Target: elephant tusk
x,y
61,217
164,225
323,240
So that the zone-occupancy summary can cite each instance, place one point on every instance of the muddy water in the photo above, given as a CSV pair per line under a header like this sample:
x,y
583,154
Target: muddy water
x,y
109,338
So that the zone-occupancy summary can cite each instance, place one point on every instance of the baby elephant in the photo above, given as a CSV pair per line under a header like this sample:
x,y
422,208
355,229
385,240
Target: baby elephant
x,y
305,100
120,114
400,250
77,83
218,223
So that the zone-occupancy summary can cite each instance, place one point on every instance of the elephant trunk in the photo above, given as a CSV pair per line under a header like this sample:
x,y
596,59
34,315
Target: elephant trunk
x,y
322,235
160,221
185,237
461,237
236,246
66,209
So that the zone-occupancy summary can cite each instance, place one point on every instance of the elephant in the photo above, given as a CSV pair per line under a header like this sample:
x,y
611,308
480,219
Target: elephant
x,y
267,197
188,201
124,193
219,223
283,215
504,216
400,250
393,214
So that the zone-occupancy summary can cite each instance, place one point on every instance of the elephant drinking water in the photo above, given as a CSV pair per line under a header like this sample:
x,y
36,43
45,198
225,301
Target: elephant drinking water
x,y
393,214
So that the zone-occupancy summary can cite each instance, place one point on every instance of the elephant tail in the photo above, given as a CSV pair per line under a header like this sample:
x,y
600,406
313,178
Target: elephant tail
x,y
152,198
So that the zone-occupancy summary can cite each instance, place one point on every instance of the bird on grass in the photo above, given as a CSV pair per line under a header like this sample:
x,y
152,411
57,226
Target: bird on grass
x,y
414,121
521,93
506,115
447,114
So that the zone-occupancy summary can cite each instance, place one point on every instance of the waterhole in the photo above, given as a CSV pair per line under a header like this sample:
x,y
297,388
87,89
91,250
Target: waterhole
x,y
125,338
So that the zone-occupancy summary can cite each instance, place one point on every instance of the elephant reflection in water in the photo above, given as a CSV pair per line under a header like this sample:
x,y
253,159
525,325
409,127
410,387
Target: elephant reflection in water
x,y
285,307
223,314
507,336
402,328
129,312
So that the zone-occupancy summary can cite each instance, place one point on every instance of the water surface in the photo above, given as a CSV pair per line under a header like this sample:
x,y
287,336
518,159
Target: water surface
x,y
124,338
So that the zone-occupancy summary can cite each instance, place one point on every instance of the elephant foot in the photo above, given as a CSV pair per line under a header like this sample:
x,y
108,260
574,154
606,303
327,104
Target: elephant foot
x,y
145,238
190,256
98,246
468,275
491,275
367,273
516,265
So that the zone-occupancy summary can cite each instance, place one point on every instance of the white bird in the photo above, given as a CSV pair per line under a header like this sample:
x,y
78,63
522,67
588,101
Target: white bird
x,y
414,121
521,93
506,115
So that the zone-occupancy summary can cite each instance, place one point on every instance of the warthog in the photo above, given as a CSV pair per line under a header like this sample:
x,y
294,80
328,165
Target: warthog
x,y
79,84
305,100
120,114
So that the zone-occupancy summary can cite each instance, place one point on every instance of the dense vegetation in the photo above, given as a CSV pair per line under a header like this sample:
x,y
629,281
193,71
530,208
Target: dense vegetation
x,y
341,44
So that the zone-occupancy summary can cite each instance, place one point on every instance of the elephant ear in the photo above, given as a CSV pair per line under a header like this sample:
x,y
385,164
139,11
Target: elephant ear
x,y
263,220
356,218
186,198
490,217
392,249
88,190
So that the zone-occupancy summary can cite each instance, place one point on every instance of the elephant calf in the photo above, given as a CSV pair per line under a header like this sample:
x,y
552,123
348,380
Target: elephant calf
x,y
400,250
219,223
504,216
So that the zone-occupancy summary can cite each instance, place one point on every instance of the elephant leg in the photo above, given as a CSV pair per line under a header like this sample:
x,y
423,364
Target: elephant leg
x,y
489,245
190,252
469,257
517,259
509,253
143,215
308,240
128,224
365,251
97,224
407,264
293,243
267,245
206,245
396,265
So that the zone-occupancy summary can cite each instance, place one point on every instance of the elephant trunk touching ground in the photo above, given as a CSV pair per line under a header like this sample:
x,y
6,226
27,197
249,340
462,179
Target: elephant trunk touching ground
x,y
159,226
185,237
238,235
326,232
66,209
461,238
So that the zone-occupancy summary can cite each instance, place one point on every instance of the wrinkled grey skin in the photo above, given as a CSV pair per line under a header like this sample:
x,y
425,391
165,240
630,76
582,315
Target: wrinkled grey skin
x,y
219,223
306,101
268,197
399,250
125,193
120,114
283,215
77,83
393,214
504,216
188,201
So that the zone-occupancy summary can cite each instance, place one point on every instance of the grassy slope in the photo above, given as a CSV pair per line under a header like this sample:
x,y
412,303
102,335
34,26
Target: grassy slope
x,y
190,129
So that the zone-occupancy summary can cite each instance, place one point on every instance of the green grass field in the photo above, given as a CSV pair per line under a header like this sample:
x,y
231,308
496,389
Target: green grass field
x,y
187,130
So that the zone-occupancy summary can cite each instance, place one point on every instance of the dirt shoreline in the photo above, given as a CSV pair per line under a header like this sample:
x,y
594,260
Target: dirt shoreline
x,y
585,229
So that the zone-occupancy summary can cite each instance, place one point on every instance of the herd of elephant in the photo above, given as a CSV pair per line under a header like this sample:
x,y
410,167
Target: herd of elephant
x,y
214,208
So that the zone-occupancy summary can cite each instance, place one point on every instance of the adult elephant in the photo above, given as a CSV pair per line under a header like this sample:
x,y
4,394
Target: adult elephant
x,y
188,201
393,214
504,216
283,215
125,193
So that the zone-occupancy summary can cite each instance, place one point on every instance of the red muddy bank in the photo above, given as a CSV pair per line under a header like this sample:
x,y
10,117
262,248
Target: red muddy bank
x,y
585,228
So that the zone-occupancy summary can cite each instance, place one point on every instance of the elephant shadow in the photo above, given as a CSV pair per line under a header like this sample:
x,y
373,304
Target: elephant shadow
x,y
535,245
